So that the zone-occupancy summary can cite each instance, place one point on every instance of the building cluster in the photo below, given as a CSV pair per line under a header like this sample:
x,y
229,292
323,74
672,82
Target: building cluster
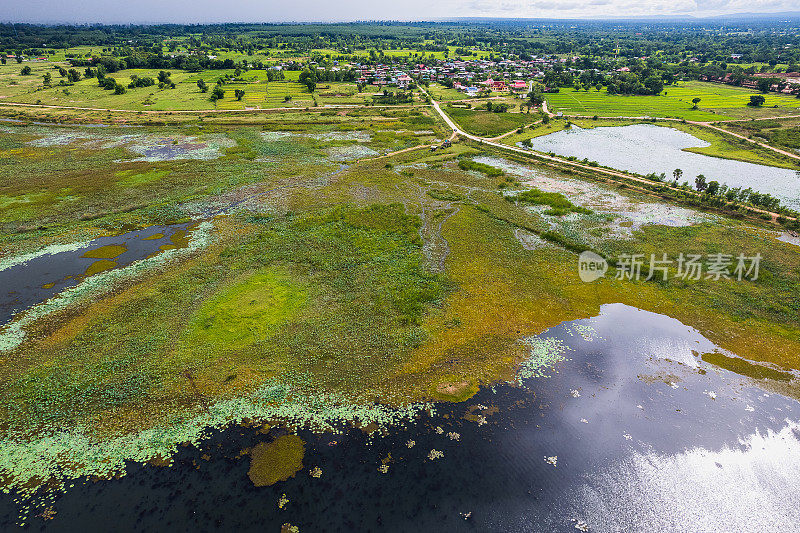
x,y
783,82
470,76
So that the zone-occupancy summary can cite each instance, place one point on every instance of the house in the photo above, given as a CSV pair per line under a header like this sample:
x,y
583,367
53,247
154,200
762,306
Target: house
x,y
498,86
403,81
518,86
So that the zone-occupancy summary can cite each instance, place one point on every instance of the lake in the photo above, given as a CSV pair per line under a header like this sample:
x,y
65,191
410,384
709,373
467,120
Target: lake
x,y
630,431
645,148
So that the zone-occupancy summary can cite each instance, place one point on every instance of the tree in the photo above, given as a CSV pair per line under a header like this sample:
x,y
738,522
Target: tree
x,y
119,89
163,77
26,71
311,85
676,174
695,101
700,182
756,100
202,85
48,78
239,93
217,94
764,84
712,188
535,97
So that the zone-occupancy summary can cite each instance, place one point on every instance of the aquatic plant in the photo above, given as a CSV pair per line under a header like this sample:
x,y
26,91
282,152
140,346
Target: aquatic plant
x,y
13,334
282,501
545,353
276,461
435,454
55,455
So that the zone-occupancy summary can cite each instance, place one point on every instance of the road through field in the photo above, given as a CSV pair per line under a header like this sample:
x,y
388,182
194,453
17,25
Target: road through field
x,y
608,172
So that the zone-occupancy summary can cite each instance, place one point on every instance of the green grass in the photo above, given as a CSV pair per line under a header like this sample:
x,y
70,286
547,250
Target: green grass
x,y
745,368
325,283
559,205
469,164
486,124
718,102
248,312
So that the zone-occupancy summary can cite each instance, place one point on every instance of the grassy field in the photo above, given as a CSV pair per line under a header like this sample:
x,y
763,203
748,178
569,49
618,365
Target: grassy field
x,y
718,102
488,124
185,96
341,281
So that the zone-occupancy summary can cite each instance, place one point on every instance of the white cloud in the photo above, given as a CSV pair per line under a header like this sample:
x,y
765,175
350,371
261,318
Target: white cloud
x,y
190,11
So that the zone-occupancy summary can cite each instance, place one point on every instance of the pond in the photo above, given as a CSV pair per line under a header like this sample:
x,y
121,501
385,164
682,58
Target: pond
x,y
645,148
45,275
631,431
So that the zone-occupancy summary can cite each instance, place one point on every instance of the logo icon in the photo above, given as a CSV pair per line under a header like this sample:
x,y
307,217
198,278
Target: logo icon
x,y
591,266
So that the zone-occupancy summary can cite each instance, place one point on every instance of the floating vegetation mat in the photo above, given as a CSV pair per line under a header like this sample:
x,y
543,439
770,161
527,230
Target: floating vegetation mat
x,y
350,153
150,147
13,334
56,455
628,213
545,353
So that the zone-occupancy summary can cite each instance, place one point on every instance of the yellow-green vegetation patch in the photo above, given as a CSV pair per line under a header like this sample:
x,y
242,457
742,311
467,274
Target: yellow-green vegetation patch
x,y
276,461
248,312
106,252
132,178
8,201
455,391
745,368
101,265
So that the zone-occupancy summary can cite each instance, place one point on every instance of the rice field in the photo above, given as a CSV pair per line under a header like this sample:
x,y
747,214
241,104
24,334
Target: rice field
x,y
717,102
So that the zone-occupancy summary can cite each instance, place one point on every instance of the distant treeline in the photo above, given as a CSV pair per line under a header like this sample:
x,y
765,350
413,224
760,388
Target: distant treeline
x,y
743,41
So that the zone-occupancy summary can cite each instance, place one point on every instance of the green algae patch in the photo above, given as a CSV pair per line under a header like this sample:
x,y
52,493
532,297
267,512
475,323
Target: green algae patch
x,y
276,461
106,252
179,239
132,178
745,368
249,311
154,237
101,265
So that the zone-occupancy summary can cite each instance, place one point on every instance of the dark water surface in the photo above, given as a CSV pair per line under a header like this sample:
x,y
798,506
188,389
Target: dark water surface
x,y
24,285
647,436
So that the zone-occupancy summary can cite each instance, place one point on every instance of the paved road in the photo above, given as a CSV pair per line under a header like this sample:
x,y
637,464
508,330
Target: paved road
x,y
611,173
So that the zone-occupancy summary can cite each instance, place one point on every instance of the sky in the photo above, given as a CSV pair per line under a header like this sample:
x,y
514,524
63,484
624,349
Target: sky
x,y
200,11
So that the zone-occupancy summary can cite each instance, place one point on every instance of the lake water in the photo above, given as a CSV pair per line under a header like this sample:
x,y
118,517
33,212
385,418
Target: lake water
x,y
632,431
39,278
645,148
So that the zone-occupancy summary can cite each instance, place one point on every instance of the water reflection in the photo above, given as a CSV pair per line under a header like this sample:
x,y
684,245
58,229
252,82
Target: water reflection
x,y
645,148
632,431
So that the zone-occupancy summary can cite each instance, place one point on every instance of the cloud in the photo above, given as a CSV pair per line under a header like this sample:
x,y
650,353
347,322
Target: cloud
x,y
197,11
